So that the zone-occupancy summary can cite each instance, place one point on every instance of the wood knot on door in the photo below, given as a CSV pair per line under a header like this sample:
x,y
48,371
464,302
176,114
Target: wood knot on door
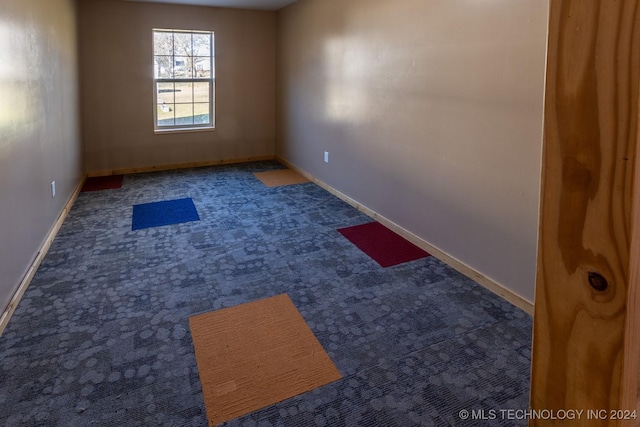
x,y
598,282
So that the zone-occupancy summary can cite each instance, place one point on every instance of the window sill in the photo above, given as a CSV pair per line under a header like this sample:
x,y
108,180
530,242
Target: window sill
x,y
184,130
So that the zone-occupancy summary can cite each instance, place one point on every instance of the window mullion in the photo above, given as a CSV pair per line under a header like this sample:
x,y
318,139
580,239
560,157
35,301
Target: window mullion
x,y
173,56
200,80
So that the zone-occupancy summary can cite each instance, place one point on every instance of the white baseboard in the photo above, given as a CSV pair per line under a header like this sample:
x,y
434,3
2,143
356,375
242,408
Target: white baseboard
x,y
453,262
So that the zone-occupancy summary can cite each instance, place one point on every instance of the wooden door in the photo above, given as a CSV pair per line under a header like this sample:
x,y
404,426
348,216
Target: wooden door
x,y
586,324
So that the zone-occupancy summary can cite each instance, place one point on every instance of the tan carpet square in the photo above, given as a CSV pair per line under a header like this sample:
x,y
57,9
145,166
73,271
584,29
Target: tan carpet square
x,y
280,177
256,354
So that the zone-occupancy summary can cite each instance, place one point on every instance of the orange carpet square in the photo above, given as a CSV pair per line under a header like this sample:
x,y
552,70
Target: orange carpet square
x,y
280,177
256,354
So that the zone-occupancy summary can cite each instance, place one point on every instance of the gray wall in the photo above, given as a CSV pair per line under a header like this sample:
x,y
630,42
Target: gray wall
x,y
116,66
39,131
432,115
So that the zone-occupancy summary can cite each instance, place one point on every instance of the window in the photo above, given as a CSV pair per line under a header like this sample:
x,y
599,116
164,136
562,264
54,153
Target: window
x,y
184,79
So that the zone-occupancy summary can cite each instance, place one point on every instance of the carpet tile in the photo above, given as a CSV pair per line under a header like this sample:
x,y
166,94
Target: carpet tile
x,y
99,183
383,245
167,212
101,336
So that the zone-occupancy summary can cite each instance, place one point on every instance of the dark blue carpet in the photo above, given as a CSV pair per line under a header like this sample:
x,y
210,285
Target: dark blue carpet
x,y
167,212
101,337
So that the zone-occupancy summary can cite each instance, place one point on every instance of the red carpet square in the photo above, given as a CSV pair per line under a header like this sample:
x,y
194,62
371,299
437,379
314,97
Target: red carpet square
x,y
383,245
98,183
256,354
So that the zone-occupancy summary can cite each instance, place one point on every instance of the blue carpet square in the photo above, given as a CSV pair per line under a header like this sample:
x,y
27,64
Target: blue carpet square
x,y
168,212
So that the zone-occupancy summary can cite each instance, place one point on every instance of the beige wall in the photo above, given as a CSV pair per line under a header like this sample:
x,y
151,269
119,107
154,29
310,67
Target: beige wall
x,y
431,111
116,67
39,131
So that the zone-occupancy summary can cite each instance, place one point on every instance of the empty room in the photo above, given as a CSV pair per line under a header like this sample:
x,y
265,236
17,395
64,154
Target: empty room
x,y
319,212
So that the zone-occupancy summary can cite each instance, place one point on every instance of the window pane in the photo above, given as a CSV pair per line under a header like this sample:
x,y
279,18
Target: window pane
x,y
202,66
182,44
165,114
184,114
183,68
162,43
201,113
165,94
163,67
184,92
202,45
201,92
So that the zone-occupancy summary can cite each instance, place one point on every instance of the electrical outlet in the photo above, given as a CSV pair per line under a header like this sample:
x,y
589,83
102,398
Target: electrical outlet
x,y
53,189
326,157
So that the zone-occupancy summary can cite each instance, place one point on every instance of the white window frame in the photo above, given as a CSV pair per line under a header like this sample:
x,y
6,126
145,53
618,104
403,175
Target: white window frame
x,y
211,80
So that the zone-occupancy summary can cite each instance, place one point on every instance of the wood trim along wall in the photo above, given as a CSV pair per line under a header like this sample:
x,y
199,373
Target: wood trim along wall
x,y
126,171
453,262
44,248
441,255
631,380
42,252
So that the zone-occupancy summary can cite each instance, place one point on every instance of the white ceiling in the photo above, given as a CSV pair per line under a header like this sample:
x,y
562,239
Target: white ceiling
x,y
240,4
